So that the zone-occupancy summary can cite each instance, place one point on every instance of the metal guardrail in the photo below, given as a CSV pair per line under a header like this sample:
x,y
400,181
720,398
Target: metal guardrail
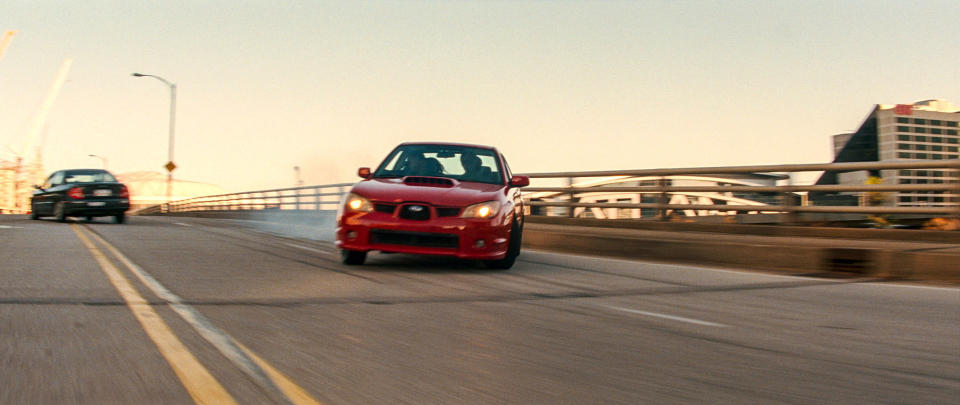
x,y
313,198
567,196
305,198
805,167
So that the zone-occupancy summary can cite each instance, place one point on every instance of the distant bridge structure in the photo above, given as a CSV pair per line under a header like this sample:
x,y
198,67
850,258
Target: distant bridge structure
x,y
609,190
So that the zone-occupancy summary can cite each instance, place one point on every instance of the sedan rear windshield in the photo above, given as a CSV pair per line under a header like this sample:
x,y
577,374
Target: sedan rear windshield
x,y
462,163
89,176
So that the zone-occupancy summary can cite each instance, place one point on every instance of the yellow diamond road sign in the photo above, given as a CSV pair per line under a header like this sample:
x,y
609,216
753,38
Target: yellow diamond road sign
x,y
170,166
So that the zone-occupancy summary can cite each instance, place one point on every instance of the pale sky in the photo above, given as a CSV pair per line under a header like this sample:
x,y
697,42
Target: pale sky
x,y
264,86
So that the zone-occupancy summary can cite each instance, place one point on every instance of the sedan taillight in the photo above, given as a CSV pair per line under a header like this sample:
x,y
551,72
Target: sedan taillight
x,y
75,193
124,192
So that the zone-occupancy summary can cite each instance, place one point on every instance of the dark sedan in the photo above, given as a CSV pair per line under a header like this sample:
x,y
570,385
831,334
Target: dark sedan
x,y
86,193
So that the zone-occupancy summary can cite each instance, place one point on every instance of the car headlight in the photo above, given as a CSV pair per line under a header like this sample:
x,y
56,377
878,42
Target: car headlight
x,y
482,210
358,203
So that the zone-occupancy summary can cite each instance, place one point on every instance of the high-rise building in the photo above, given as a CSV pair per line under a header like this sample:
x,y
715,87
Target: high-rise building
x,y
925,130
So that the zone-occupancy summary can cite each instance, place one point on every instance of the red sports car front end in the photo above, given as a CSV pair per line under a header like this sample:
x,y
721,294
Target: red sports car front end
x,y
410,223
461,204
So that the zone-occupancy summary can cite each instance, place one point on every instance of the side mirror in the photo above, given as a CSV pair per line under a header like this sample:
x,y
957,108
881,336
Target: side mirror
x,y
364,172
519,181
38,187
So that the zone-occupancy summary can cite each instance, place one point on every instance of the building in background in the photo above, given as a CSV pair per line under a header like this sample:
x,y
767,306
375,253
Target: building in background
x,y
17,178
925,130
8,188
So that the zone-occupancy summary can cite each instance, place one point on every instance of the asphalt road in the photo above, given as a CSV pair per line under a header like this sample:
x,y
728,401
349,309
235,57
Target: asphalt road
x,y
180,310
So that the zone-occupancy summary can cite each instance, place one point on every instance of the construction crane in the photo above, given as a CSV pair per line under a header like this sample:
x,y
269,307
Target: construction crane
x,y
5,41
18,175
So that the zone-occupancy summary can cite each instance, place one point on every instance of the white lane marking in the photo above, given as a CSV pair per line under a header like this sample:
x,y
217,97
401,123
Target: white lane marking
x,y
181,224
307,248
202,386
271,380
665,316
10,227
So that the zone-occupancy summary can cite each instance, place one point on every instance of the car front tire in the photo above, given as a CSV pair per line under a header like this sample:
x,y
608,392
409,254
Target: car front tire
x,y
352,257
513,250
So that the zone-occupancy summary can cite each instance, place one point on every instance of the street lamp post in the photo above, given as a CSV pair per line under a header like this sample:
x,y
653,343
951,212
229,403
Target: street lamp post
x,y
102,159
173,114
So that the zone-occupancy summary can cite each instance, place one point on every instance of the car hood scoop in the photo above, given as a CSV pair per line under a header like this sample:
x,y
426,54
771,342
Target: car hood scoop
x,y
428,181
397,190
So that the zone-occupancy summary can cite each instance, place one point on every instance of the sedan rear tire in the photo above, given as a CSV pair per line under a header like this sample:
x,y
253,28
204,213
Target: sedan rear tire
x,y
58,212
119,218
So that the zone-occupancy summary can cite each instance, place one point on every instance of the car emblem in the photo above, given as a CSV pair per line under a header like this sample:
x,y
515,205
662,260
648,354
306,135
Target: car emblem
x,y
416,208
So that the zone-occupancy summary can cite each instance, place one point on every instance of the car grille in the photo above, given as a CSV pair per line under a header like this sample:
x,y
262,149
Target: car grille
x,y
423,239
416,212
408,212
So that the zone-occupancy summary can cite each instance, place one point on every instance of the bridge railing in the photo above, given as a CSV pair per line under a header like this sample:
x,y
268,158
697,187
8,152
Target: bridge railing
x,y
304,198
790,199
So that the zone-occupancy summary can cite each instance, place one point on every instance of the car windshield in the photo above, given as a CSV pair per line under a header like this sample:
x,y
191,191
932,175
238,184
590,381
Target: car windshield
x,y
463,163
89,176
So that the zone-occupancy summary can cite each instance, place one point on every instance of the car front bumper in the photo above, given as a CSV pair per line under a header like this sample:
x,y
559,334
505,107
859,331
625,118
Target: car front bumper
x,y
465,238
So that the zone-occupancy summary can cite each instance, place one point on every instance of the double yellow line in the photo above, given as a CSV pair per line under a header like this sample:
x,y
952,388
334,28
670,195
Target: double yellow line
x,y
199,383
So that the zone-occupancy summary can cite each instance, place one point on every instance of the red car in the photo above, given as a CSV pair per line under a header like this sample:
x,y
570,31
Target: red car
x,y
435,199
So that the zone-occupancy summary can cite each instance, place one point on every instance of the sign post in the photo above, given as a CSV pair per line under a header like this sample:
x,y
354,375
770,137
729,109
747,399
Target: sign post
x,y
170,166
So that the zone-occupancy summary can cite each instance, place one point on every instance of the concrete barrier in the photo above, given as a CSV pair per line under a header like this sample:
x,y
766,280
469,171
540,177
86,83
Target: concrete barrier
x,y
882,257
912,235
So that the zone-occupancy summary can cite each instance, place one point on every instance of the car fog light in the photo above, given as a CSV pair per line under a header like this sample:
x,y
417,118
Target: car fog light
x,y
479,243
352,235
